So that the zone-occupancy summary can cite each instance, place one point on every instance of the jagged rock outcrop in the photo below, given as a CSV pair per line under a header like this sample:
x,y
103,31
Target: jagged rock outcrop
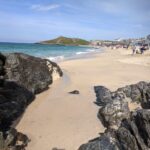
x,y
21,76
33,73
115,104
133,134
13,140
114,107
139,93
103,95
113,113
133,128
13,101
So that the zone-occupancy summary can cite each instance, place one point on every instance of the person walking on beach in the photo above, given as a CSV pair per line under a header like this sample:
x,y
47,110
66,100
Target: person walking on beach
x,y
142,49
133,50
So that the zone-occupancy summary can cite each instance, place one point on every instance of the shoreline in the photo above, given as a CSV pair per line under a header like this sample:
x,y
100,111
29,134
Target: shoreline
x,y
58,119
52,52
86,55
89,53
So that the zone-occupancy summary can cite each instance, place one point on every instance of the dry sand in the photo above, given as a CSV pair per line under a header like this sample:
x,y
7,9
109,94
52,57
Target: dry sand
x,y
58,119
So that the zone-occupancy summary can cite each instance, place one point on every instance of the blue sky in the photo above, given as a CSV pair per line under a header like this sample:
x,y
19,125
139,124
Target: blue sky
x,y
36,20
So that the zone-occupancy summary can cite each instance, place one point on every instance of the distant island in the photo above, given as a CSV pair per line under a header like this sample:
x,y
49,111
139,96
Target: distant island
x,y
66,41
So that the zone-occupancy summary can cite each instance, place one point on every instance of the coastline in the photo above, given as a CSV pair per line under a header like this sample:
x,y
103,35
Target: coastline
x,y
92,53
56,53
57,119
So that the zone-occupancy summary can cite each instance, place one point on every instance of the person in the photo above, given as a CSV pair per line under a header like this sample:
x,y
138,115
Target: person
x,y
142,49
133,50
137,49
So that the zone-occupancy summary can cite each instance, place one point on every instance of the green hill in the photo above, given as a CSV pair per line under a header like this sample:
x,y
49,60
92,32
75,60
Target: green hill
x,y
66,41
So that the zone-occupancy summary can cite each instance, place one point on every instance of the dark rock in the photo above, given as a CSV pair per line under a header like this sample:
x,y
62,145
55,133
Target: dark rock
x,y
22,138
26,75
31,72
133,134
114,107
137,133
74,92
107,141
11,140
13,101
145,94
55,148
115,104
140,127
103,95
126,140
126,90
113,113
139,93
136,94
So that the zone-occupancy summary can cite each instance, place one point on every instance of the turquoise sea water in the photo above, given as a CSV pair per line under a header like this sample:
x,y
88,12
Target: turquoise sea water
x,y
52,52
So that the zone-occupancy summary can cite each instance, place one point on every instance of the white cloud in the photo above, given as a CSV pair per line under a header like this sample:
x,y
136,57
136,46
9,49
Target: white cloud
x,y
49,7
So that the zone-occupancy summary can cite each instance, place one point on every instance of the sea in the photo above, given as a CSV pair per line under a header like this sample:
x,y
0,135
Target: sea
x,y
52,52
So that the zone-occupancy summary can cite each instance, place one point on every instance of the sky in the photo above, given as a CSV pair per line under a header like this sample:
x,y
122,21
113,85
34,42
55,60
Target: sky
x,y
36,20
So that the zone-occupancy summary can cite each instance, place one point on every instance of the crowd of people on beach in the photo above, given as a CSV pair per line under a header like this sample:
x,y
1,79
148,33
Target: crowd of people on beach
x,y
139,49
117,46
136,49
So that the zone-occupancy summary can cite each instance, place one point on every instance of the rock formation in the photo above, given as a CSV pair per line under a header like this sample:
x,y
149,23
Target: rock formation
x,y
21,76
139,93
13,140
133,128
114,105
33,73
133,134
74,92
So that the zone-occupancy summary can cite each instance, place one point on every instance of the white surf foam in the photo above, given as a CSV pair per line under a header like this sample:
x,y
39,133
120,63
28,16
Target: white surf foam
x,y
56,59
86,52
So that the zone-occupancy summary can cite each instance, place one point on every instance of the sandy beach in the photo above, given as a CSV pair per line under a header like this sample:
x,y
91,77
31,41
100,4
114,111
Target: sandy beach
x,y
58,119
